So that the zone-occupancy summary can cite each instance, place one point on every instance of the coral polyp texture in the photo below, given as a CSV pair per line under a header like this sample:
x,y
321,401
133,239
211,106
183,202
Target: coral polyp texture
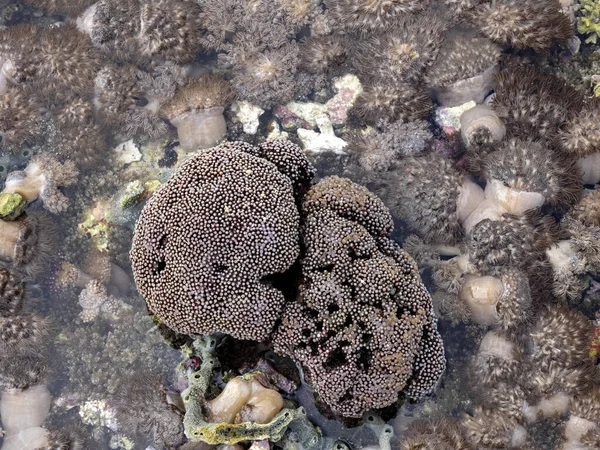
x,y
362,326
535,24
211,241
532,104
365,15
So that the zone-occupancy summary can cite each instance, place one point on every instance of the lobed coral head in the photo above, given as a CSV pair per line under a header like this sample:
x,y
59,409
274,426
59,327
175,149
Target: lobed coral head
x,y
203,269
345,350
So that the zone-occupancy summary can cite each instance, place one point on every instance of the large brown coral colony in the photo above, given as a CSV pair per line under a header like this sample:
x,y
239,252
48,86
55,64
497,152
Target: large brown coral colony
x,y
362,325
209,241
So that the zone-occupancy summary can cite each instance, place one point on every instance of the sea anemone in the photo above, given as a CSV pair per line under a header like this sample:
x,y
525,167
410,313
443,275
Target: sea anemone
x,y
323,54
12,293
587,211
18,59
402,53
41,179
524,174
511,241
364,15
533,105
28,242
487,428
379,150
464,70
67,59
116,91
73,132
23,335
141,407
70,7
497,360
561,337
24,409
504,300
432,204
21,122
197,111
393,102
581,135
114,27
434,434
265,77
522,24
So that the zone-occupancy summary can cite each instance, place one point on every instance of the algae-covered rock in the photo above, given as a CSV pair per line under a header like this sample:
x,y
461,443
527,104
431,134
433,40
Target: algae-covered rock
x,y
134,192
12,205
196,426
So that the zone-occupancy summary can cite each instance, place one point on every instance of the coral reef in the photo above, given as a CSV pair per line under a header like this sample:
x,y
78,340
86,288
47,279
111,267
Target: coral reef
x,y
358,359
249,234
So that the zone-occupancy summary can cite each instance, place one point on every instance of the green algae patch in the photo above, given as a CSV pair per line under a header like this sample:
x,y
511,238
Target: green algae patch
x,y
12,205
588,20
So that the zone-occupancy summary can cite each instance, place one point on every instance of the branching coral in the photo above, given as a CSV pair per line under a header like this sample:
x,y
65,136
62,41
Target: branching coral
x,y
359,345
536,24
222,255
41,179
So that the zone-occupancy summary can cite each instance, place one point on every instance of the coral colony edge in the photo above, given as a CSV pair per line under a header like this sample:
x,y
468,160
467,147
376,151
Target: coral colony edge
x,y
299,224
